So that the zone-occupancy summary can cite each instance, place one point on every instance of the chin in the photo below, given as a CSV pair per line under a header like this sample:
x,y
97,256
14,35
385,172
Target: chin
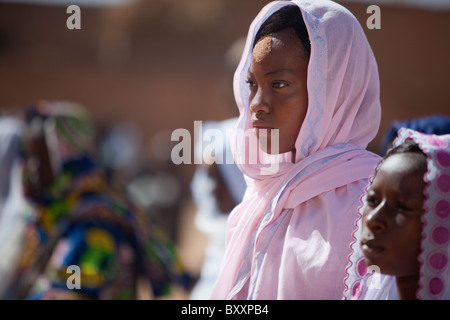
x,y
267,148
374,264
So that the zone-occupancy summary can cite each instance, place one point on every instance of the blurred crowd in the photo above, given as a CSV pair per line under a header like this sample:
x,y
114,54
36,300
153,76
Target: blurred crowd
x,y
74,213
81,208
83,215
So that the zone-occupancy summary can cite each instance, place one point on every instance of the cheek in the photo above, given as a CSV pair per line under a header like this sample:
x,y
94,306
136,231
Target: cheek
x,y
294,120
407,248
288,137
417,236
409,231
291,131
296,113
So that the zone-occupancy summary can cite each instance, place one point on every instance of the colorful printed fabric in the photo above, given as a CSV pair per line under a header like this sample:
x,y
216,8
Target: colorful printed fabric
x,y
85,240
361,283
104,239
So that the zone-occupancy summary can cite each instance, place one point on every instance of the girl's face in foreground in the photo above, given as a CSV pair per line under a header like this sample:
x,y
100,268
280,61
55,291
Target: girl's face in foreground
x,y
278,93
391,222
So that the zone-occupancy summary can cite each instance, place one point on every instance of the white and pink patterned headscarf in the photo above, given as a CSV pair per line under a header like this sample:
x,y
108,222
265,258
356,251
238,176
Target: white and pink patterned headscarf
x,y
274,234
435,245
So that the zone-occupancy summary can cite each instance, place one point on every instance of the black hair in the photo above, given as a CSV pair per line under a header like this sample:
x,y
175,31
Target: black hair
x,y
31,113
288,16
408,146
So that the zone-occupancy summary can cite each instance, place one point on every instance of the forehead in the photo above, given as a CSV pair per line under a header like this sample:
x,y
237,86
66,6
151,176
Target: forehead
x,y
403,173
262,49
404,163
285,41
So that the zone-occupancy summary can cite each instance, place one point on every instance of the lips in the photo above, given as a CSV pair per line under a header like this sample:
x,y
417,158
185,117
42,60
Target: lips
x,y
260,127
258,124
262,130
371,247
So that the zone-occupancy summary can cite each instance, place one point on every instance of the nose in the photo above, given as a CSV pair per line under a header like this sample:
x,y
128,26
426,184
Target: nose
x,y
375,218
259,102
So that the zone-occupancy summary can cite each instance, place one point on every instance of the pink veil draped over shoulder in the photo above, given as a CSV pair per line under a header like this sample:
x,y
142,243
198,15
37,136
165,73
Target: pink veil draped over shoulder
x,y
290,236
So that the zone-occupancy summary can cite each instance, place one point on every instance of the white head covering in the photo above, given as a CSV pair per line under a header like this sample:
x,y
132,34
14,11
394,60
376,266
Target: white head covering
x,y
233,177
12,202
435,256
10,132
209,220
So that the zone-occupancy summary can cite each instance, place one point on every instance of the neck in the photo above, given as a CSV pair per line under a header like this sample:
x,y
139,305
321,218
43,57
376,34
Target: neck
x,y
407,287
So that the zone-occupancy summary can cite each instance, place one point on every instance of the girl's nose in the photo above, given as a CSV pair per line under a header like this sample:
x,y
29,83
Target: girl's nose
x,y
375,218
259,103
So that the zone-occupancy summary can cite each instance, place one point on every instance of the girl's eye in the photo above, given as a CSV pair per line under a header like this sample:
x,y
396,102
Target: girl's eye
x,y
279,84
250,83
371,201
403,208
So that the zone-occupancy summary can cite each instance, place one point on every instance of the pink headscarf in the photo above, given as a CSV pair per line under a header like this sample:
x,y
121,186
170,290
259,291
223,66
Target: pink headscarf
x,y
274,233
435,254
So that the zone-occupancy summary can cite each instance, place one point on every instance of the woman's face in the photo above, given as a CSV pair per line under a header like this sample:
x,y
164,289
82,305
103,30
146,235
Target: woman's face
x,y
38,173
278,93
391,222
222,195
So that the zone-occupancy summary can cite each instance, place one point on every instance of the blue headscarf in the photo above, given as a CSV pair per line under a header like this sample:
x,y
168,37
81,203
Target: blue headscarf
x,y
434,124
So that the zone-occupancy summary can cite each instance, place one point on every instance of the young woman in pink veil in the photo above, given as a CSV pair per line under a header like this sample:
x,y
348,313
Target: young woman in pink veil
x,y
307,89
402,240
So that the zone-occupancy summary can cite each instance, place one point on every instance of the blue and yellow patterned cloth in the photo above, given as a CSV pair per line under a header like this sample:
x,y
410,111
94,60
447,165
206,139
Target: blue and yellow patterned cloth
x,y
85,240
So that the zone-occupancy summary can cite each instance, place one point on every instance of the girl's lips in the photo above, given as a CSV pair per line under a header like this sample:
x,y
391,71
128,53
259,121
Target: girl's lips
x,y
267,129
262,130
259,124
371,248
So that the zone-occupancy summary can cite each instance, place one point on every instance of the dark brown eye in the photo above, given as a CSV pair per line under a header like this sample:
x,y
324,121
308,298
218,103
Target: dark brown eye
x,y
279,84
404,208
372,201
250,83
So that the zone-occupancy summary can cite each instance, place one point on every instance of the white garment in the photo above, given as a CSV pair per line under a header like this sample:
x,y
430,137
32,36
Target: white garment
x,y
12,202
212,223
209,220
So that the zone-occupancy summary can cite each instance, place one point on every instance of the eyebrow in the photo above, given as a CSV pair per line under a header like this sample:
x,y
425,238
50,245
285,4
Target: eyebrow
x,y
281,70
